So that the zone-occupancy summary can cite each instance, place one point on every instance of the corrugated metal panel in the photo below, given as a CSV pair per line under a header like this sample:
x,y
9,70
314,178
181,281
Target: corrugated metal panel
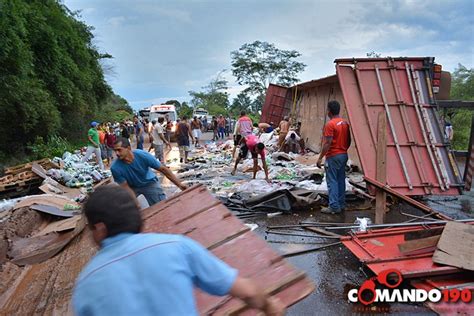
x,y
277,104
46,288
418,161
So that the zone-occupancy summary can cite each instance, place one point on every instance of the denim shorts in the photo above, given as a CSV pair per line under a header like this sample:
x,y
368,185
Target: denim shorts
x,y
152,192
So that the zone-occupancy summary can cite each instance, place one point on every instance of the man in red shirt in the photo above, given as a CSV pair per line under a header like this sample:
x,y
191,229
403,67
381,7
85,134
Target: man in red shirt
x,y
251,144
242,128
337,139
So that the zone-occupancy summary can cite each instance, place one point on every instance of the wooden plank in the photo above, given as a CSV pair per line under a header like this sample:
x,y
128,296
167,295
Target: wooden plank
x,y
381,174
455,246
423,233
469,169
407,199
419,246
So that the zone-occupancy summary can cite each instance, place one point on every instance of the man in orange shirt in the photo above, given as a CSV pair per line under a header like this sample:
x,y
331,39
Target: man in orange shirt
x,y
103,149
337,139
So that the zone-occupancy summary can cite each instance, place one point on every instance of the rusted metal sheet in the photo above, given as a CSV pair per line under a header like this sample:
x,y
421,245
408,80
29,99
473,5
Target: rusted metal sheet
x,y
459,281
420,161
46,288
277,104
379,250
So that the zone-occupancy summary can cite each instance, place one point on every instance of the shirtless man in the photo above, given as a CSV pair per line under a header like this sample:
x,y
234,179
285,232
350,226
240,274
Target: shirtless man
x,y
284,128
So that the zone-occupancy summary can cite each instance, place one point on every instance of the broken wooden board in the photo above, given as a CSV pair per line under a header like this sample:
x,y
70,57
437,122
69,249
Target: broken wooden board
x,y
36,249
418,246
60,226
46,288
455,247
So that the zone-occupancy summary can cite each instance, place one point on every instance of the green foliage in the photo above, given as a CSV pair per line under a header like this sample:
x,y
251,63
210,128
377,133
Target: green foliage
x,y
240,103
51,79
258,64
213,98
115,109
462,88
462,84
185,110
55,146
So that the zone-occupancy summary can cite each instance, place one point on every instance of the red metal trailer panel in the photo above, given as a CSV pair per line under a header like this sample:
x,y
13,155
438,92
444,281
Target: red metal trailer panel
x,y
379,250
460,281
418,161
277,104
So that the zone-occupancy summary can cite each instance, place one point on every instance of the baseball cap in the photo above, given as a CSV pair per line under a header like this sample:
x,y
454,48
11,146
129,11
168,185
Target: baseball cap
x,y
94,124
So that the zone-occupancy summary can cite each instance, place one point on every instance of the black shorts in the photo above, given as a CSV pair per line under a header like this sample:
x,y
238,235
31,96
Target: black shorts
x,y
244,151
237,139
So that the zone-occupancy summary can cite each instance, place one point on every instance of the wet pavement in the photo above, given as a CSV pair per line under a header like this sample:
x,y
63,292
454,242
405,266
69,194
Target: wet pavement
x,y
335,270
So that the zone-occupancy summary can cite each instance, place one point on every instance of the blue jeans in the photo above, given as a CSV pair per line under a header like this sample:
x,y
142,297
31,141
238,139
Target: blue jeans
x,y
336,180
221,132
152,192
140,141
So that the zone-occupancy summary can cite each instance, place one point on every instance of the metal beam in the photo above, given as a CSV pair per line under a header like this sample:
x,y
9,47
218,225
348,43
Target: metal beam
x,y
455,104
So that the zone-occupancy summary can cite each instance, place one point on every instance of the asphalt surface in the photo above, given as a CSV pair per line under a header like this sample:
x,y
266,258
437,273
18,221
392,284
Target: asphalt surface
x,y
335,270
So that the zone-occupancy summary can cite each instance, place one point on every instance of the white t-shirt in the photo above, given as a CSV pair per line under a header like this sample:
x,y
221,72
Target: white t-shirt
x,y
157,129
297,138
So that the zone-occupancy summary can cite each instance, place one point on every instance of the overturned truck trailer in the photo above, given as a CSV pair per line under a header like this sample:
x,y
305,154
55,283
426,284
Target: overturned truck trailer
x,y
419,161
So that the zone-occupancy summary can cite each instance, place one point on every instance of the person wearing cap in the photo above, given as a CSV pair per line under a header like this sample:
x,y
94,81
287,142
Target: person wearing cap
x,y
93,145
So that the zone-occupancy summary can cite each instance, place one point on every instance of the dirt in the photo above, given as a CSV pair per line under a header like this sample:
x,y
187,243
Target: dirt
x,y
20,223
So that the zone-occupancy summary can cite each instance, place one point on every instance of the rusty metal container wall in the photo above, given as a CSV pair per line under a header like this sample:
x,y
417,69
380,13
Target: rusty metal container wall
x,y
418,161
277,104
311,112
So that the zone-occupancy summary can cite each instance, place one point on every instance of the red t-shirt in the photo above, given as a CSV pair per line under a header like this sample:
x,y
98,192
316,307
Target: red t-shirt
x,y
338,129
251,141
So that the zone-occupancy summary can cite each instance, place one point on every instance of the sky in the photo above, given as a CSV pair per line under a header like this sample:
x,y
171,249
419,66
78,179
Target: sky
x,y
163,49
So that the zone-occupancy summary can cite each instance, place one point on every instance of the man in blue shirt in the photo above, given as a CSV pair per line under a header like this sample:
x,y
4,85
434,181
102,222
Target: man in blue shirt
x,y
139,132
150,274
132,171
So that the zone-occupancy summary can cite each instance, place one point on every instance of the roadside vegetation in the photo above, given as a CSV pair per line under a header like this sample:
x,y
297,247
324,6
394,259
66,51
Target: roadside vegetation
x,y
462,88
51,81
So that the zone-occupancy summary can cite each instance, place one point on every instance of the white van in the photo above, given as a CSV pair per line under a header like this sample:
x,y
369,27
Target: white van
x,y
165,110
200,113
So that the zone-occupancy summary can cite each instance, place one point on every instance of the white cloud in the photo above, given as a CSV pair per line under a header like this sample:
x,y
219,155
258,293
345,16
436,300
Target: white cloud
x,y
170,47
116,21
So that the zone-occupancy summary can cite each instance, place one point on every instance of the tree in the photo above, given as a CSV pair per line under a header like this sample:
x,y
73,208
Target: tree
x,y
51,79
185,110
214,97
258,64
242,102
462,88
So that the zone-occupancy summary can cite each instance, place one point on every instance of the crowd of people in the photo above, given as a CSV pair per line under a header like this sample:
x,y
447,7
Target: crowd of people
x,y
133,273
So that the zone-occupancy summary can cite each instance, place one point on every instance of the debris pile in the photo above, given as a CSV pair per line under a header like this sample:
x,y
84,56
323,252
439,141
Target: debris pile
x,y
21,180
75,173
